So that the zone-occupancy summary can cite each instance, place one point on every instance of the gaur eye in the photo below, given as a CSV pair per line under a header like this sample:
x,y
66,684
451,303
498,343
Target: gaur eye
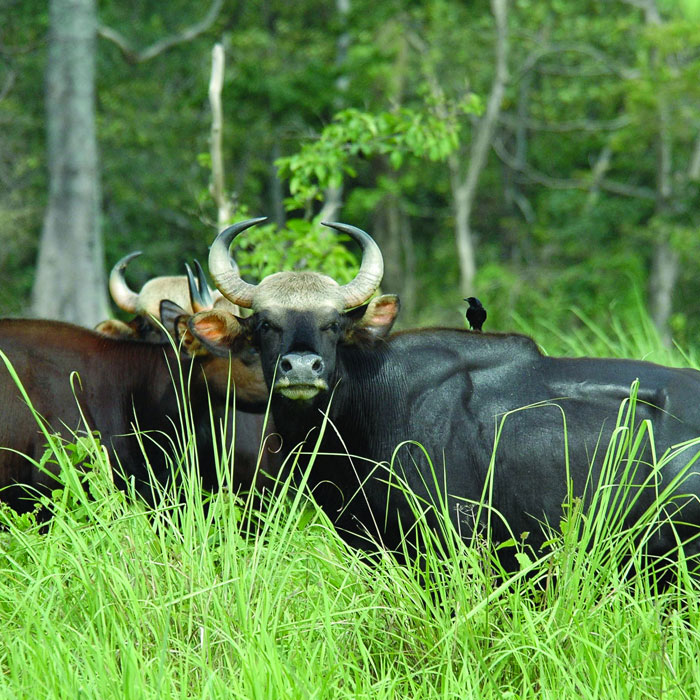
x,y
266,326
333,327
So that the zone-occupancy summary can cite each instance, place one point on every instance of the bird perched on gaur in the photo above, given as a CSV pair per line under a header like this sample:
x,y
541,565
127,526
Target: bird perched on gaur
x,y
476,313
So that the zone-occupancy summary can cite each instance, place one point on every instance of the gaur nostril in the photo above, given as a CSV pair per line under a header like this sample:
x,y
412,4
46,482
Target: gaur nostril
x,y
301,367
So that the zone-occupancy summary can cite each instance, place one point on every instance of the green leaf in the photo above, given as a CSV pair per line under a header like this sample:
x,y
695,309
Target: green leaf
x,y
396,159
523,560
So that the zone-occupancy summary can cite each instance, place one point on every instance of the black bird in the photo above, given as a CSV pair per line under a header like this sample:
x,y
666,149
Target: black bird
x,y
476,313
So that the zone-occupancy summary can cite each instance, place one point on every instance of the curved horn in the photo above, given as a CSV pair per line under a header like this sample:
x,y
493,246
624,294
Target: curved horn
x,y
223,268
200,298
369,276
203,285
124,297
196,301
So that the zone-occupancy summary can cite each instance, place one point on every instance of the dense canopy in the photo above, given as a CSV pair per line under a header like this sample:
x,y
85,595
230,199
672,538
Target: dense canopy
x,y
526,153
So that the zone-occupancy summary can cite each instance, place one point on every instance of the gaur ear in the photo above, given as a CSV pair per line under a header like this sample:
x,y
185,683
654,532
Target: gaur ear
x,y
174,319
216,331
116,329
170,312
377,318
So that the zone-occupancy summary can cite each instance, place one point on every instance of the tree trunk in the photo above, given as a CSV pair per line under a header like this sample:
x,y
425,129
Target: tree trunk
x,y
70,279
662,282
391,228
464,188
279,215
333,196
463,194
665,260
224,204
664,264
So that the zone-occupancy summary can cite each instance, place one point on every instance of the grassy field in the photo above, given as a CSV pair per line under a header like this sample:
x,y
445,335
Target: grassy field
x,y
111,599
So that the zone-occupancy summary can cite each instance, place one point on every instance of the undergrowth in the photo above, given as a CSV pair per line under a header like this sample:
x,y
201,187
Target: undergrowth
x,y
221,595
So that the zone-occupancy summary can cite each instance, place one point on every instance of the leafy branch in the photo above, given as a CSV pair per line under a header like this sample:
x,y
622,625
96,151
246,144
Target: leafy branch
x,y
356,134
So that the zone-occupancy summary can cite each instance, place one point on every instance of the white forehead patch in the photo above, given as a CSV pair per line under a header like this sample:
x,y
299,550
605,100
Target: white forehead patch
x,y
155,290
300,291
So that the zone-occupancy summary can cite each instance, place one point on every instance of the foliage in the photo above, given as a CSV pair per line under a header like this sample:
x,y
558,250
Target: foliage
x,y
322,163
377,99
301,244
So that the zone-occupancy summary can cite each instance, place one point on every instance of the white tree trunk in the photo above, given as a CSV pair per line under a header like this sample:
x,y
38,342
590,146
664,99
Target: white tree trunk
x,y
662,282
224,208
664,264
463,194
464,188
70,279
665,260
333,196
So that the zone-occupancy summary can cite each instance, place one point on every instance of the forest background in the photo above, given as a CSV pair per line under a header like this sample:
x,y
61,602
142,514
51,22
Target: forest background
x,y
543,156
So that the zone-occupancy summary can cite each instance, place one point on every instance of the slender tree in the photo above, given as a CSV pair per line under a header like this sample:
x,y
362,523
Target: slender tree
x,y
70,278
224,204
665,260
464,183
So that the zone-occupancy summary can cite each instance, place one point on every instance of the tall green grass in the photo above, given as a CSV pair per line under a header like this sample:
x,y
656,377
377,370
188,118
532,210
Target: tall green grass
x,y
203,596
632,335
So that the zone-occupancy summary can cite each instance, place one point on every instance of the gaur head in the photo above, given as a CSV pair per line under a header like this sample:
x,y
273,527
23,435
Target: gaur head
x,y
170,314
147,301
300,318
189,295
